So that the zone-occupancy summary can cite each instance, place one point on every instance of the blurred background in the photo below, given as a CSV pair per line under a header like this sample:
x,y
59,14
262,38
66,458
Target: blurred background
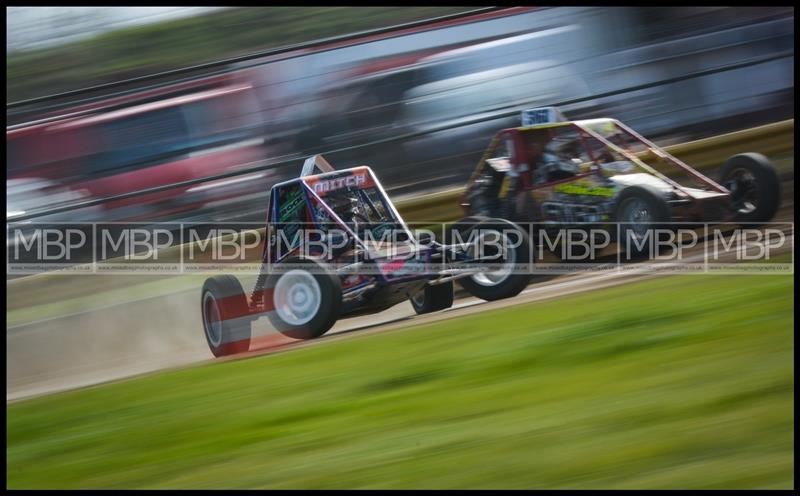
x,y
183,114
94,111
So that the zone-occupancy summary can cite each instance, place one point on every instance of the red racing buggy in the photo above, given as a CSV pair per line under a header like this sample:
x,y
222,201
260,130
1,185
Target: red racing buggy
x,y
551,173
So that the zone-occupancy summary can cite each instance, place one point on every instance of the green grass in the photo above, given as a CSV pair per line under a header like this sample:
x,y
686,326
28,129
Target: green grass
x,y
679,382
142,50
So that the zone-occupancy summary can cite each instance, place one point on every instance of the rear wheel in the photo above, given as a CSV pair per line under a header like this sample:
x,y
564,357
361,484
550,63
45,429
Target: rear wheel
x,y
754,186
505,250
306,300
433,298
226,316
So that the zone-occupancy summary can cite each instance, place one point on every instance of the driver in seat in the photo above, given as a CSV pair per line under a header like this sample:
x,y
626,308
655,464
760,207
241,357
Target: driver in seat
x,y
346,206
558,161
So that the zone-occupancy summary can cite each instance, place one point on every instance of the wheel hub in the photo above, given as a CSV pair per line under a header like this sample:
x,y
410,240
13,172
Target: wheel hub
x,y
637,214
742,185
507,255
297,297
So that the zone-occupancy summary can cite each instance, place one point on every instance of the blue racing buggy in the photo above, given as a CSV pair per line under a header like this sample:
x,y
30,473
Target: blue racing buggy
x,y
336,247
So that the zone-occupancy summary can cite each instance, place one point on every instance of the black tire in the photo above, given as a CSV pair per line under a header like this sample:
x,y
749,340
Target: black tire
x,y
754,185
653,212
492,287
226,315
433,298
304,322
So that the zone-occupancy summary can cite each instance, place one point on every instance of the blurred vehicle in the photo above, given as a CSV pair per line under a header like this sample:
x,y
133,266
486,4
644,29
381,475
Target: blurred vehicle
x,y
139,144
375,262
454,88
446,89
585,56
757,43
364,92
554,172
23,195
26,194
295,88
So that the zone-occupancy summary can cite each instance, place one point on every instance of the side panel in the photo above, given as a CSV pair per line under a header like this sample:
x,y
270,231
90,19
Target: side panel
x,y
290,214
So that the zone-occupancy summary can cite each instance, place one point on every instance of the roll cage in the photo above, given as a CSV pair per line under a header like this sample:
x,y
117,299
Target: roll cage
x,y
610,134
352,200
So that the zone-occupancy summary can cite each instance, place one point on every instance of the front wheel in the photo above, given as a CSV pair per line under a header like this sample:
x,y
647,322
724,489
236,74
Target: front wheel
x,y
504,249
754,185
306,300
640,213
226,316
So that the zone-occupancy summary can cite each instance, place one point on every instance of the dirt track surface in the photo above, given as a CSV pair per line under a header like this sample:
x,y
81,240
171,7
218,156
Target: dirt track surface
x,y
165,332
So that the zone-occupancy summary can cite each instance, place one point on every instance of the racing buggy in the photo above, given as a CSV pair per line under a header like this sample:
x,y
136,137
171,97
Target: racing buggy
x,y
336,246
551,172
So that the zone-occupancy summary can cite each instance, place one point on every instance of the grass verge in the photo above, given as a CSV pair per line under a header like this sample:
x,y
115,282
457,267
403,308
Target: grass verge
x,y
678,382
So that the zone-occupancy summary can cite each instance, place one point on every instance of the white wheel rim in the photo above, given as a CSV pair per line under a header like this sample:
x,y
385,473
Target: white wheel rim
x,y
297,297
495,277
212,318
